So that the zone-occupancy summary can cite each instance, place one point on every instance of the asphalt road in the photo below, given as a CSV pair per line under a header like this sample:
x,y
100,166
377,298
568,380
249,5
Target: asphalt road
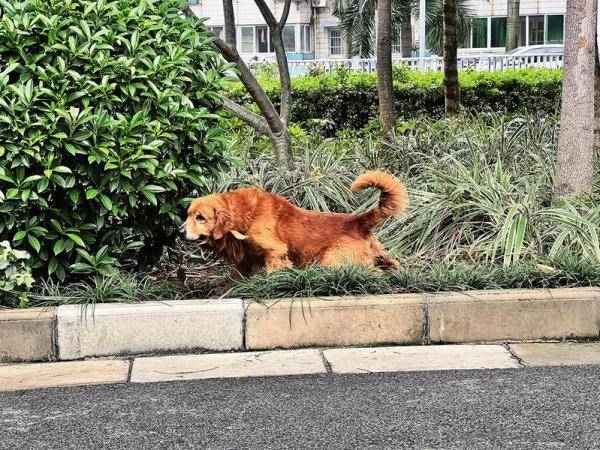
x,y
524,408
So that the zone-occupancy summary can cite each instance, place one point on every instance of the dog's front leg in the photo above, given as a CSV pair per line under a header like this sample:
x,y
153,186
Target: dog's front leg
x,y
275,251
277,262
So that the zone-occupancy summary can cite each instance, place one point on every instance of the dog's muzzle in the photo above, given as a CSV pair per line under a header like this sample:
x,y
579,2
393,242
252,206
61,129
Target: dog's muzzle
x,y
192,237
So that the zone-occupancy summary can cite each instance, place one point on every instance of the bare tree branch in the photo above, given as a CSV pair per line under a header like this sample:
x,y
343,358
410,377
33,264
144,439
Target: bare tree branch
x,y
251,83
285,13
254,120
266,13
284,76
280,55
270,123
284,71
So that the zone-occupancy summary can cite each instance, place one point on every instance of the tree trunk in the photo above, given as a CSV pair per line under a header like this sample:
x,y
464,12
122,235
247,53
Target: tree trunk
x,y
597,101
451,88
385,87
512,25
575,158
406,38
229,22
283,148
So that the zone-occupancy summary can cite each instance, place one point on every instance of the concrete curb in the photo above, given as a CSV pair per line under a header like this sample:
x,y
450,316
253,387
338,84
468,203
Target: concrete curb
x,y
27,334
334,321
70,332
170,326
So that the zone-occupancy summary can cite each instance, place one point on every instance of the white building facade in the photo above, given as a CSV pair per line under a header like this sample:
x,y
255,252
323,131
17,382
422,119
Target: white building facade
x,y
312,32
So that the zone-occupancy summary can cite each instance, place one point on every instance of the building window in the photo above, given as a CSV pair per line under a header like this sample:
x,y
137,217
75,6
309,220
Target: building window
x,y
480,32
522,31
218,31
555,29
396,43
247,39
262,40
498,32
289,38
335,41
536,30
306,39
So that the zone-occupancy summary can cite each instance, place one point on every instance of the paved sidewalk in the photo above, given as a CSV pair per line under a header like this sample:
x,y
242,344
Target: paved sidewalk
x,y
295,362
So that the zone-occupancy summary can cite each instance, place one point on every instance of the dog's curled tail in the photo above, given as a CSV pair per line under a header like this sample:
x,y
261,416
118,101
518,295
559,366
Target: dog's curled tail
x,y
392,201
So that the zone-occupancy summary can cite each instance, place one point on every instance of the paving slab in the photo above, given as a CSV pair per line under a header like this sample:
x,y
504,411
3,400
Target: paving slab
x,y
558,354
335,321
26,334
169,326
15,377
419,358
227,365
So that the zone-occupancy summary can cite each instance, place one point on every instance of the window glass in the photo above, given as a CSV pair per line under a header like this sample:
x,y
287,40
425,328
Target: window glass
x,y
555,30
247,39
289,38
536,30
262,40
522,31
396,41
480,33
306,38
335,41
498,31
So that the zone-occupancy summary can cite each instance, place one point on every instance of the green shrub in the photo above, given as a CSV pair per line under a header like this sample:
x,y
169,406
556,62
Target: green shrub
x,y
15,276
107,120
350,101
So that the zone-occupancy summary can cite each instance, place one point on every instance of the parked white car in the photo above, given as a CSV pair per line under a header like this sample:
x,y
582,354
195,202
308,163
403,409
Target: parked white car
x,y
550,55
554,49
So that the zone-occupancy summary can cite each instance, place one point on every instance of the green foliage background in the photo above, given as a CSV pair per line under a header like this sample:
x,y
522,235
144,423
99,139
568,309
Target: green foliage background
x,y
349,100
107,121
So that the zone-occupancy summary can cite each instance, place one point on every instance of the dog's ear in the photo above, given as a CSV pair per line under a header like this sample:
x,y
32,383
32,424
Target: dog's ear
x,y
222,225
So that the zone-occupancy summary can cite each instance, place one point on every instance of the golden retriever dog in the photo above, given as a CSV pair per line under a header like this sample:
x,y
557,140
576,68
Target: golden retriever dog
x,y
254,229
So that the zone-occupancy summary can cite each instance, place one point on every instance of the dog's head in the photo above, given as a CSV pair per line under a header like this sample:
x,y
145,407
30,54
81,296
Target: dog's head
x,y
209,218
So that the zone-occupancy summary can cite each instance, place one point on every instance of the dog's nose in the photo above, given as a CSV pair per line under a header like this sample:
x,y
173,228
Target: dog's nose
x,y
181,229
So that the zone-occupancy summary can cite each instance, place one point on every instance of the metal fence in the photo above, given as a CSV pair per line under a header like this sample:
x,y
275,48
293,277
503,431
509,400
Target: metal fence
x,y
436,64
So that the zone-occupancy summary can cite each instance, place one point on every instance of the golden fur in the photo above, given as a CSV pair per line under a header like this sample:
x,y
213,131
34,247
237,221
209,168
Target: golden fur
x,y
252,228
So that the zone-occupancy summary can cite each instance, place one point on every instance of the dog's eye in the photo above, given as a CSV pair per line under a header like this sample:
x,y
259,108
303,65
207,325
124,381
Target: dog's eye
x,y
200,218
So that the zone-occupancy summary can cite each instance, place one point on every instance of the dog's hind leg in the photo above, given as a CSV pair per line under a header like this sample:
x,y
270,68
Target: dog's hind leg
x,y
384,261
348,252
381,258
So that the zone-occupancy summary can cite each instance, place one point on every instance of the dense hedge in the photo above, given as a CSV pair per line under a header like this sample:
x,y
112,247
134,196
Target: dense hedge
x,y
349,100
107,121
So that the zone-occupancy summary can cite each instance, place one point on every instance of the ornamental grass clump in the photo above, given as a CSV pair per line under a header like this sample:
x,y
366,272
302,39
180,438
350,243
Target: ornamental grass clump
x,y
480,189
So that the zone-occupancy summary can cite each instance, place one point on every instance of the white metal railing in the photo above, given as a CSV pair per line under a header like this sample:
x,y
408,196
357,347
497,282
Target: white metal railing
x,y
489,63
